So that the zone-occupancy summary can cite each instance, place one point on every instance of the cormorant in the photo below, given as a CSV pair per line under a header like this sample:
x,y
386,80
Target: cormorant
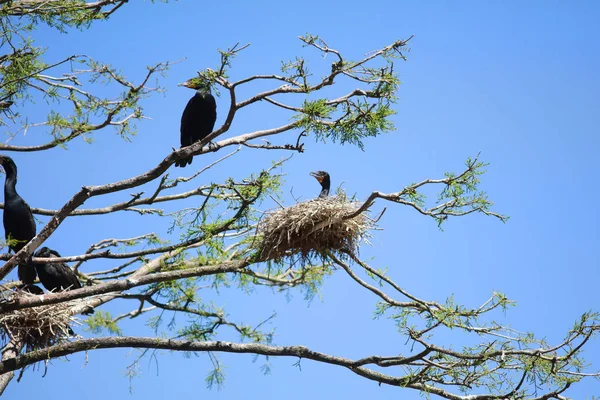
x,y
56,277
199,116
18,220
323,178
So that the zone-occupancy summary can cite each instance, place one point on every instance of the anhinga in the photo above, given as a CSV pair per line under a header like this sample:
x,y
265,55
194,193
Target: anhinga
x,y
56,277
199,116
323,178
19,225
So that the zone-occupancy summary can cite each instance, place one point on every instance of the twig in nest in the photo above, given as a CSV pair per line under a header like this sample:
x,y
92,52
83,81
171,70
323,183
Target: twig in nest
x,y
312,228
37,327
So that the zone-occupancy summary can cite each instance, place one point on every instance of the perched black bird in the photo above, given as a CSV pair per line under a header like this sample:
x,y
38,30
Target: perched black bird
x,y
199,116
18,220
56,277
323,178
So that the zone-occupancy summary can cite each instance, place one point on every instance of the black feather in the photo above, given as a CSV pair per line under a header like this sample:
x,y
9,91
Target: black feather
x,y
56,277
19,224
198,119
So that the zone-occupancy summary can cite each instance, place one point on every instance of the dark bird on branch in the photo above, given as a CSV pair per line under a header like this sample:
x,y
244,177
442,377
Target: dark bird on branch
x,y
19,226
323,178
199,116
56,277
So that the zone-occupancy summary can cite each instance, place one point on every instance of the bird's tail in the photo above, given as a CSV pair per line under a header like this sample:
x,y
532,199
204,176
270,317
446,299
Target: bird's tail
x,y
183,162
26,271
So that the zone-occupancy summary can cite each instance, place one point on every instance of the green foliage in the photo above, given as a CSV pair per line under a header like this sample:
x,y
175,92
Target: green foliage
x,y
24,75
227,207
16,67
222,228
460,195
11,242
348,122
361,114
102,321
518,355
58,14
217,375
295,70
362,120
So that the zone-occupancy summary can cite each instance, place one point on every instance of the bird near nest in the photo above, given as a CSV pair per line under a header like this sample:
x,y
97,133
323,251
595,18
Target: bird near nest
x,y
324,180
56,277
199,116
19,225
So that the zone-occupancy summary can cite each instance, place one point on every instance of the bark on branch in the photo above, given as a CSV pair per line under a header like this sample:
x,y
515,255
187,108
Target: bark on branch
x,y
124,284
356,366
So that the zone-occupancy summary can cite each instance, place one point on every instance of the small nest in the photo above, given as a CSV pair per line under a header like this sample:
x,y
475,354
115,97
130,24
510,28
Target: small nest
x,y
37,327
312,228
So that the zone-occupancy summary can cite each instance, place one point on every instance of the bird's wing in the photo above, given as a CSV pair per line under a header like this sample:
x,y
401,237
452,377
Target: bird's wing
x,y
31,220
19,224
213,106
187,124
69,276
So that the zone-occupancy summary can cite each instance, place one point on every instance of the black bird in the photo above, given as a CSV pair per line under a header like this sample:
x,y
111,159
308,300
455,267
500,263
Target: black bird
x,y
323,178
18,220
199,116
56,277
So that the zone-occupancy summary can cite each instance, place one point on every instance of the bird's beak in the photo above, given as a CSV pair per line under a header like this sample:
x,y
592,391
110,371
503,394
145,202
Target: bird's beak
x,y
185,84
316,176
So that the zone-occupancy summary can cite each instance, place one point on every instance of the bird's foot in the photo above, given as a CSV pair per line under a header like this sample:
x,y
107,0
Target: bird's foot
x,y
213,146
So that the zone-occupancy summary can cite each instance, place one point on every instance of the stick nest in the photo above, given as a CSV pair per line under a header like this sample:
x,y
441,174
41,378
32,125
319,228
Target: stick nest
x,y
37,327
312,228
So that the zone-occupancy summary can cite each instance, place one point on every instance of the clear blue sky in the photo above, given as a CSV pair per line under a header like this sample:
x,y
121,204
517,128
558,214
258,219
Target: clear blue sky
x,y
516,81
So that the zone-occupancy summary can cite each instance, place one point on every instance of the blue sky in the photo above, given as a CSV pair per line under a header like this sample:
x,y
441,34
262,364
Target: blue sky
x,y
515,81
